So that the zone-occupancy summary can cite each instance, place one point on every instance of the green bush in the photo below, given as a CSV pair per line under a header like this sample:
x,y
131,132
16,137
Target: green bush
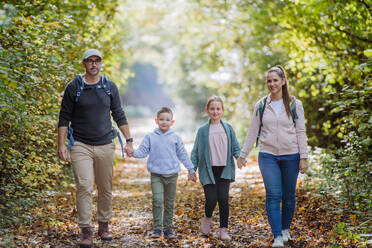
x,y
41,47
348,168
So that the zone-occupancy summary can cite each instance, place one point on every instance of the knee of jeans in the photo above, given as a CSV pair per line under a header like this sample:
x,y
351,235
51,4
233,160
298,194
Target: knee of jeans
x,y
289,197
289,200
274,196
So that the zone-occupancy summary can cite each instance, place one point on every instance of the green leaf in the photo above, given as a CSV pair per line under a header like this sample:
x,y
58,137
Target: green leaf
x,y
368,52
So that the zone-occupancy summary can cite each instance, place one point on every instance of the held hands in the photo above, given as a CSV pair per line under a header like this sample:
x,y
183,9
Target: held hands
x,y
241,162
191,177
129,149
303,165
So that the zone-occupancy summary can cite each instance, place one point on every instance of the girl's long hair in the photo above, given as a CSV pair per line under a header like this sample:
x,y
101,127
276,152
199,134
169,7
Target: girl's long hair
x,y
278,69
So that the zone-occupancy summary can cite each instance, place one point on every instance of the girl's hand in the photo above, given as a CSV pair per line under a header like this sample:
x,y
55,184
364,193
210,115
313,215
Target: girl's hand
x,y
192,177
241,162
303,165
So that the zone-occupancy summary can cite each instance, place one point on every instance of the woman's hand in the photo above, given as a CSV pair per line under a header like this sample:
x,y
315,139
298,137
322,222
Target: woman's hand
x,y
303,165
241,162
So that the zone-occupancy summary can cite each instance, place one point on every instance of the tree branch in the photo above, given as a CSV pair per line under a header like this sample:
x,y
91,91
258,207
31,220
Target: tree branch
x,y
365,4
352,35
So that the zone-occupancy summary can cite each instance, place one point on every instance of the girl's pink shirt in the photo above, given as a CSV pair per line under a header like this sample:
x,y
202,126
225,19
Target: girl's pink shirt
x,y
278,136
217,145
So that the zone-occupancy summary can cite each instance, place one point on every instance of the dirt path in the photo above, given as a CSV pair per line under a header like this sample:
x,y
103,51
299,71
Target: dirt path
x,y
132,220
55,215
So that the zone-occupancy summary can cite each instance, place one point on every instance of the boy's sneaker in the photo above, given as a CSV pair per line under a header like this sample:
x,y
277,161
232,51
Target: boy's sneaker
x,y
286,235
169,233
156,233
278,242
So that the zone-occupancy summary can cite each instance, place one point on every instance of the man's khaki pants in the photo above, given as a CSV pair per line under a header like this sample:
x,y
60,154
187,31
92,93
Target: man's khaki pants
x,y
90,162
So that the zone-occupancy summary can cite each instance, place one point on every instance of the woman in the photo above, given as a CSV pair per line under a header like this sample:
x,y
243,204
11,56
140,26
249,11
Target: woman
x,y
279,127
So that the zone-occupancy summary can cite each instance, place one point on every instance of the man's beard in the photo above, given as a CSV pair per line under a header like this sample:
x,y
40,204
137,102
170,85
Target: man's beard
x,y
90,73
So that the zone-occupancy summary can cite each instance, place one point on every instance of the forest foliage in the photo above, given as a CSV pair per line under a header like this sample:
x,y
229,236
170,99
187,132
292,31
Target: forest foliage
x,y
224,47
41,47
208,47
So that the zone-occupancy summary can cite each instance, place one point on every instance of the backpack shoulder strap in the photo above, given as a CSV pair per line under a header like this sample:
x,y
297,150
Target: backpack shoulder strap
x,y
292,108
260,110
79,86
106,85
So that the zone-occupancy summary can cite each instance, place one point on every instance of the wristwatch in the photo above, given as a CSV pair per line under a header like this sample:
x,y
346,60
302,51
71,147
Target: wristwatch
x,y
129,140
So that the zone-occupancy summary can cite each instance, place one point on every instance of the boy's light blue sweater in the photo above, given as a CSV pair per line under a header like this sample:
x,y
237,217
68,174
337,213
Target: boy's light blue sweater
x,y
165,150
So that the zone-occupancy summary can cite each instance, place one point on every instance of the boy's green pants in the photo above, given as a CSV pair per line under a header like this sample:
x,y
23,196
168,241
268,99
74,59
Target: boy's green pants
x,y
163,194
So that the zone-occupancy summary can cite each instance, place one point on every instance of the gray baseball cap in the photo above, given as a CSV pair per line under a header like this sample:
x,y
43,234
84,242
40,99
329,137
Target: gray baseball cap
x,y
91,52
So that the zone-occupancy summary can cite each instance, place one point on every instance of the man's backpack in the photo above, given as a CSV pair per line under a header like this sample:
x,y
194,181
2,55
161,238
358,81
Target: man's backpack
x,y
105,84
261,108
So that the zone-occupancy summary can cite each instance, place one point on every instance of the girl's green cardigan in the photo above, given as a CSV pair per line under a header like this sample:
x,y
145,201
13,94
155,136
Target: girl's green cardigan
x,y
201,159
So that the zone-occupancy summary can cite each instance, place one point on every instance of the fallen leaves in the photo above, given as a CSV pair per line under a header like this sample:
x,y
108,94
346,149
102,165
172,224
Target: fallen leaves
x,y
131,225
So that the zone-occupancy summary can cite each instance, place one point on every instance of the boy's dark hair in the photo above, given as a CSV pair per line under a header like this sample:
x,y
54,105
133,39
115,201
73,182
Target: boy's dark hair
x,y
164,110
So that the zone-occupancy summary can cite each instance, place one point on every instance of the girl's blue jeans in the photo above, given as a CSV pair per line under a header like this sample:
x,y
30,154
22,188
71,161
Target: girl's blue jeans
x,y
280,177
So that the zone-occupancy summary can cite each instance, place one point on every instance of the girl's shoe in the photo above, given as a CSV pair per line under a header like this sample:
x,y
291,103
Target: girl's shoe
x,y
286,235
205,226
223,234
278,242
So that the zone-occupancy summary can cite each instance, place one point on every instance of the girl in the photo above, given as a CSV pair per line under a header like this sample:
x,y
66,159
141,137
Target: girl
x,y
278,124
213,152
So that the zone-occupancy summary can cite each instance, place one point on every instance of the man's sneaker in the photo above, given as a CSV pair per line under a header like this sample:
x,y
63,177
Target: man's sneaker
x,y
103,231
278,242
286,235
169,233
86,238
156,233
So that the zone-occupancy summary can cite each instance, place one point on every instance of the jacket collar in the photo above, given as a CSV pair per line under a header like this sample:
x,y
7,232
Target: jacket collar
x,y
268,100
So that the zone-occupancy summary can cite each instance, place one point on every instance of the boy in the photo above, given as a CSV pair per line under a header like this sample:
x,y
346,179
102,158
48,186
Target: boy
x,y
165,149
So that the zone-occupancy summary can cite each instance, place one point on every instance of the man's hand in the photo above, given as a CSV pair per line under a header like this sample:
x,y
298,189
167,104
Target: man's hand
x,y
129,149
191,177
303,165
62,152
241,162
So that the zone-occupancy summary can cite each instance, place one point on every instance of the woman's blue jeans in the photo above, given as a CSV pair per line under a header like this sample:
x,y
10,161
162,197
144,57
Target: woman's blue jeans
x,y
280,177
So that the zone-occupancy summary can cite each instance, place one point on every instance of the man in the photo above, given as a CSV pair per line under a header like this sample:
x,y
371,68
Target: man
x,y
86,104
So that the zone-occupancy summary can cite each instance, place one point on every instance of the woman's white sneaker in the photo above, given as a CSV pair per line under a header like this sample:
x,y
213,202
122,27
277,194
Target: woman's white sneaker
x,y
278,242
286,235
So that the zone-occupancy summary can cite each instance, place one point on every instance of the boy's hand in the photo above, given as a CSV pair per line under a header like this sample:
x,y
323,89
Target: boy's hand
x,y
192,177
128,149
241,162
